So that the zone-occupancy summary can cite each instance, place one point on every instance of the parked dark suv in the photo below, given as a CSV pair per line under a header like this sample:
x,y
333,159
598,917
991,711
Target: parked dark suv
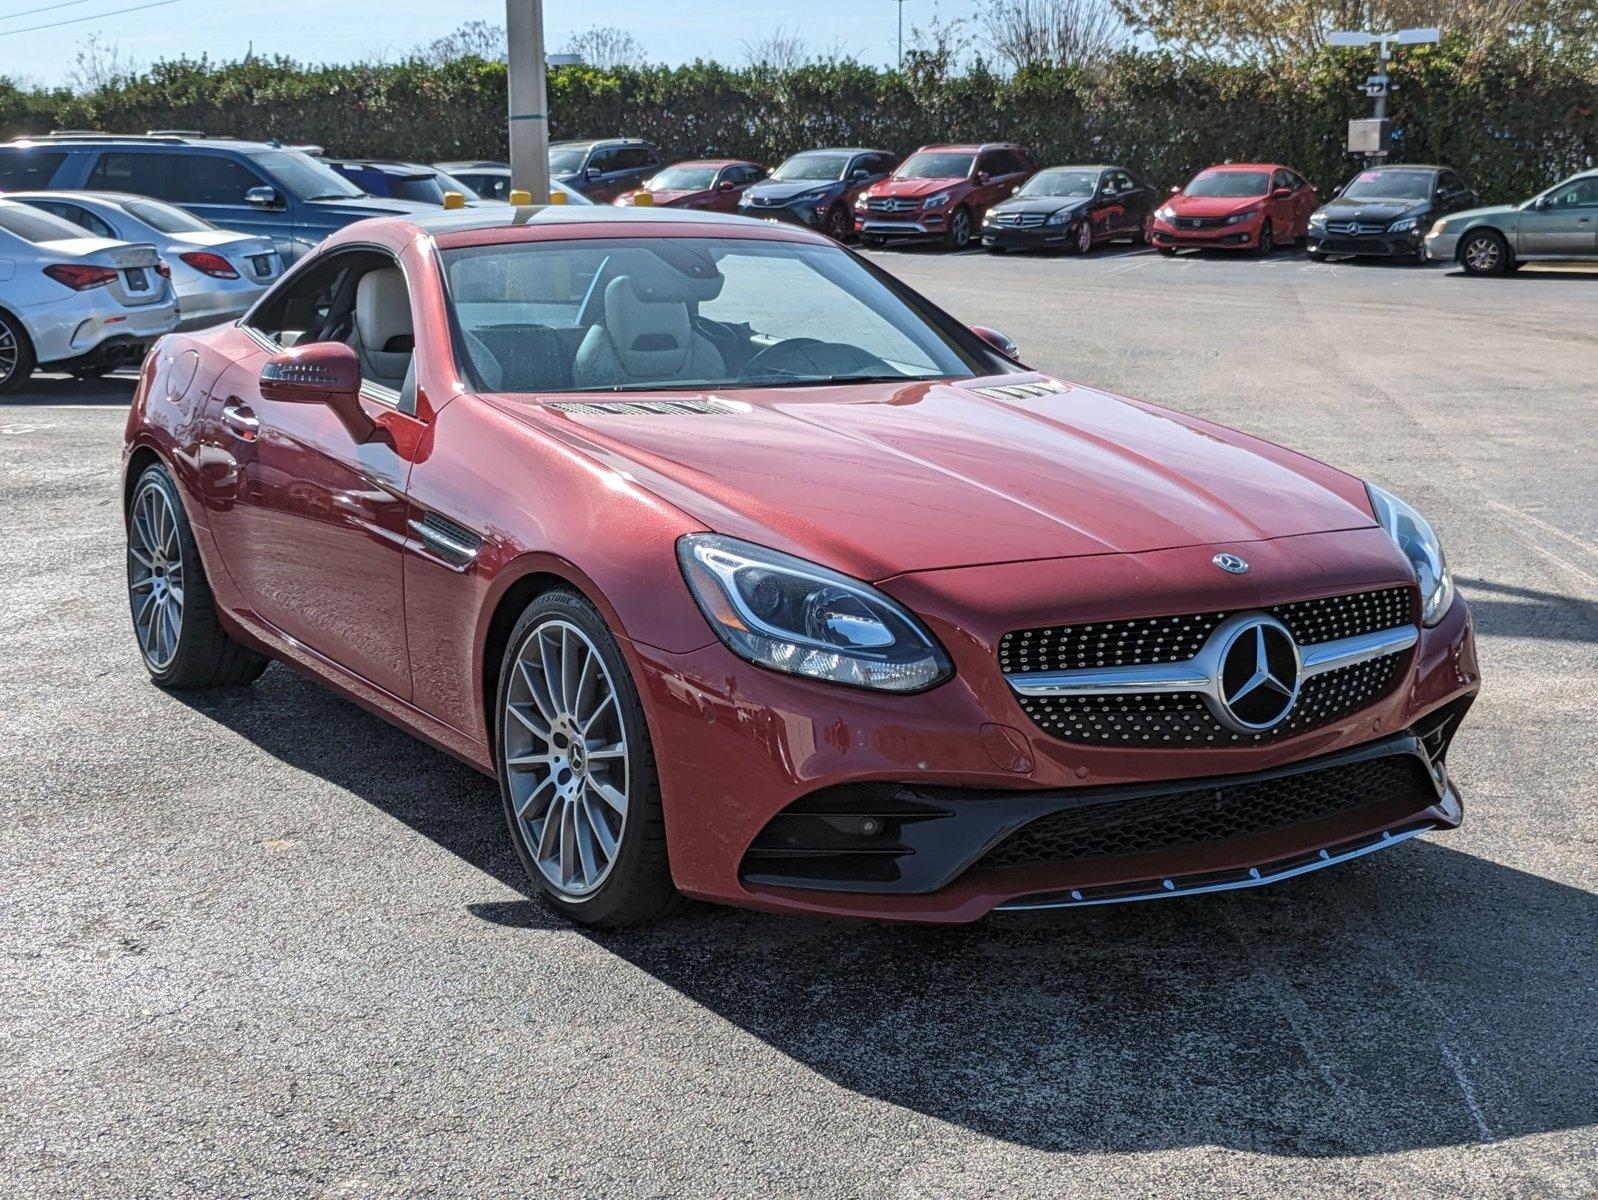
x,y
818,188
604,168
941,192
249,187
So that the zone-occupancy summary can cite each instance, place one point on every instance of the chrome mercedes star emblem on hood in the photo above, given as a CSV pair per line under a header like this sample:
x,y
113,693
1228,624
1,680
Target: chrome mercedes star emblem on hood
x,y
1258,676
1231,563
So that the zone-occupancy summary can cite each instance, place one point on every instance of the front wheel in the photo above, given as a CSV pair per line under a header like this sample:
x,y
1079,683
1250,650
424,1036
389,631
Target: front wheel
x,y
1317,256
1145,234
16,354
1267,240
958,236
174,614
1484,253
839,226
1084,236
576,769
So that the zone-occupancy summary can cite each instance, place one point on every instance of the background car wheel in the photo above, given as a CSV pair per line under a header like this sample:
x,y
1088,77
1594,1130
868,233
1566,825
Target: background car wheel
x,y
958,236
576,769
16,354
838,223
1267,239
1145,234
174,614
1317,256
1484,252
1084,237
1168,251
875,243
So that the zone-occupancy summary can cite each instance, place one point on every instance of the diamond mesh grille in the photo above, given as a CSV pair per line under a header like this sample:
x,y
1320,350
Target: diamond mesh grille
x,y
1211,814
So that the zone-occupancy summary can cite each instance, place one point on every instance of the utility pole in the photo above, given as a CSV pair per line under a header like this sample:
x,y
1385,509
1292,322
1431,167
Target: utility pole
x,y
1372,138
900,3
529,98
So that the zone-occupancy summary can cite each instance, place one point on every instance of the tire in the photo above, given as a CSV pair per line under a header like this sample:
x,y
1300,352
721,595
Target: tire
x,y
1084,237
839,226
958,235
876,243
1317,255
180,638
1145,234
1484,252
1267,240
567,753
994,249
16,354
1167,251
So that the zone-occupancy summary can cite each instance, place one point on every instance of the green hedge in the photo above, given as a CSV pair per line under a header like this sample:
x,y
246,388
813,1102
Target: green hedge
x,y
1512,121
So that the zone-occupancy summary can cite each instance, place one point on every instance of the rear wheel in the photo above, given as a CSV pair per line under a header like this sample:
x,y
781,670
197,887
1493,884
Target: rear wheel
x,y
16,354
577,772
174,614
1484,252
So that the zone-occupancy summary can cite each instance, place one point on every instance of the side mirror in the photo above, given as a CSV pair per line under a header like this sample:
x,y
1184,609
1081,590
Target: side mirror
x,y
983,176
859,173
1176,191
998,341
726,185
1281,193
592,173
320,373
261,197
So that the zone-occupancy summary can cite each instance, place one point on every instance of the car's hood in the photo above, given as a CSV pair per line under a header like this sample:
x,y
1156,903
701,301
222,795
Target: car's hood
x,y
354,208
787,189
881,479
680,197
1493,211
1042,204
913,187
1213,206
1373,211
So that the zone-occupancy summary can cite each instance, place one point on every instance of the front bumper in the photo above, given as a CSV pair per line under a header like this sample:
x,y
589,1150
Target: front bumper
x,y
1034,237
1441,247
924,225
750,745
790,214
1382,245
1224,237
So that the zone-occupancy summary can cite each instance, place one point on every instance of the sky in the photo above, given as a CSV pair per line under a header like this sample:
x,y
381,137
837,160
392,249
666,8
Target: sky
x,y
671,31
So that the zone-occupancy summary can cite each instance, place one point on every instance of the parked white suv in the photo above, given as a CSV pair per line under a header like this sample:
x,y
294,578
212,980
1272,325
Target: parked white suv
x,y
72,302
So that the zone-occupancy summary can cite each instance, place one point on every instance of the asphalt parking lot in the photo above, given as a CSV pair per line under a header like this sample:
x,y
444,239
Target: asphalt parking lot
x,y
257,943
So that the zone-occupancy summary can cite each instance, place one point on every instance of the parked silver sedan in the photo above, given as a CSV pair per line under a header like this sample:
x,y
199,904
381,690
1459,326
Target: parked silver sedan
x,y
217,273
74,302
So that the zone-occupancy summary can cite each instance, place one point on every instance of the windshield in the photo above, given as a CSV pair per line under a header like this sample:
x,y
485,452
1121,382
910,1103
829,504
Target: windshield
x,y
454,183
1390,185
167,218
1061,183
941,165
636,314
422,189
567,160
1229,183
682,179
32,225
826,168
301,175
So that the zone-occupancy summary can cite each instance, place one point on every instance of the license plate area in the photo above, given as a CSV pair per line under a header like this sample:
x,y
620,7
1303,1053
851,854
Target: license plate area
x,y
136,279
261,264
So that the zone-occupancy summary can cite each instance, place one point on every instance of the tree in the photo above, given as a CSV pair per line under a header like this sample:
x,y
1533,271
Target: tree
x,y
778,51
1051,33
606,47
475,39
98,65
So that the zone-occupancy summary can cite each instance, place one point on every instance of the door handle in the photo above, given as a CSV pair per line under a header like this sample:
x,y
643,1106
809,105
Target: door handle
x,y
241,419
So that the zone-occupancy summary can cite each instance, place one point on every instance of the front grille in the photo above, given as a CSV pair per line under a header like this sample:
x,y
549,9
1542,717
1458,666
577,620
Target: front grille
x,y
1199,222
1182,720
1215,813
891,204
1354,229
1020,220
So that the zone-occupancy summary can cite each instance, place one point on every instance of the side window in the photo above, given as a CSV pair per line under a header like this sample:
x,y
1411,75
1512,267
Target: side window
x,y
212,179
1280,180
78,216
631,158
602,160
298,309
990,164
1448,183
142,174
1124,182
1579,193
24,170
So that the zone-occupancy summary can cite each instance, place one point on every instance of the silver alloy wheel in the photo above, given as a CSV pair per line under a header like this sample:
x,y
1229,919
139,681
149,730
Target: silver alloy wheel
x,y
565,757
960,229
1481,253
1084,237
155,576
10,351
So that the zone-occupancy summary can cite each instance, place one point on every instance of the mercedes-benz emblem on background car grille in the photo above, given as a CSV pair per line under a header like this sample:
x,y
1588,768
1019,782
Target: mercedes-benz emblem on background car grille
x,y
1258,677
1231,564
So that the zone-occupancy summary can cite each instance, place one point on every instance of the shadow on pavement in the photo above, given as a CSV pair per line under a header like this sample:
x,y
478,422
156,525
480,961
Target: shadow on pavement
x,y
54,390
1419,998
1508,611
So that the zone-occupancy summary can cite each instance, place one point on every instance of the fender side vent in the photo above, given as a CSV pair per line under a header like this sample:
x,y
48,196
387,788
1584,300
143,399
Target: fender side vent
x,y
1022,391
651,408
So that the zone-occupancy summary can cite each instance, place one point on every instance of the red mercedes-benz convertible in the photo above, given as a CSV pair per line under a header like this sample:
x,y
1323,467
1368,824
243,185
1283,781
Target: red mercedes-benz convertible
x,y
755,577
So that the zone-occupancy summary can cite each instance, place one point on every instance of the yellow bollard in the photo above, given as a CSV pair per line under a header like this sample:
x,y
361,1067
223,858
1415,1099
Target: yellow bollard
x,y
643,200
520,197
454,200
557,197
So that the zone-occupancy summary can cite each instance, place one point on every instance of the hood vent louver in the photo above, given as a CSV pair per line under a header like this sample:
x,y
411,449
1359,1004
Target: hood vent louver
x,y
650,408
1022,391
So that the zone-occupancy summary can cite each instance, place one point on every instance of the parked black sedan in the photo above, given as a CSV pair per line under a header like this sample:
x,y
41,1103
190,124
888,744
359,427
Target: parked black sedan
x,y
1077,206
1386,211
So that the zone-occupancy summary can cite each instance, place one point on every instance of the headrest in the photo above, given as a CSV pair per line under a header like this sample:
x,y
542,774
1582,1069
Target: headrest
x,y
383,311
646,316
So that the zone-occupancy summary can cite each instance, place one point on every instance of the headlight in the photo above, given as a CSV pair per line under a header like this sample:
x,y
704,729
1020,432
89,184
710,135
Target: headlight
x,y
1245,215
1064,217
1418,541
1403,226
1166,213
791,615
860,201
1439,227
1317,218
937,201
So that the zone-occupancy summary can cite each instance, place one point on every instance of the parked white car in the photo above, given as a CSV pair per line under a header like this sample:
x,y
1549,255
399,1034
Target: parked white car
x,y
73,302
216,273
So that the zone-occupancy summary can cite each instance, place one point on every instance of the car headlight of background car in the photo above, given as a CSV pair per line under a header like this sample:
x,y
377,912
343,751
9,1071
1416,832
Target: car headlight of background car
x,y
1317,219
782,612
1165,213
1246,215
1064,217
1418,540
937,201
1403,226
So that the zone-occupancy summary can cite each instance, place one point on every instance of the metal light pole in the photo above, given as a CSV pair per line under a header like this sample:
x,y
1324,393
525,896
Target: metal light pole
x,y
1374,141
529,98
900,3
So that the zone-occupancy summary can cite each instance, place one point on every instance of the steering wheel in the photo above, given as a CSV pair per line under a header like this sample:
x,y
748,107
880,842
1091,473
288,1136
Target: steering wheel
x,y
810,358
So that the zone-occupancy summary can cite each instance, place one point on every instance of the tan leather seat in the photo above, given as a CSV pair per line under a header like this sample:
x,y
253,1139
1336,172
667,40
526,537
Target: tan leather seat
x,y
383,338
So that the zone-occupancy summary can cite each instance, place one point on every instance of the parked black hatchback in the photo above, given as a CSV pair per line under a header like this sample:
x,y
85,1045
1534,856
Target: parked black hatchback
x,y
1076,207
1386,211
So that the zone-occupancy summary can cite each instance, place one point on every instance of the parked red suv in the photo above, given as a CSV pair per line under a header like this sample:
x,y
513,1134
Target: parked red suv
x,y
1236,206
716,184
941,192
